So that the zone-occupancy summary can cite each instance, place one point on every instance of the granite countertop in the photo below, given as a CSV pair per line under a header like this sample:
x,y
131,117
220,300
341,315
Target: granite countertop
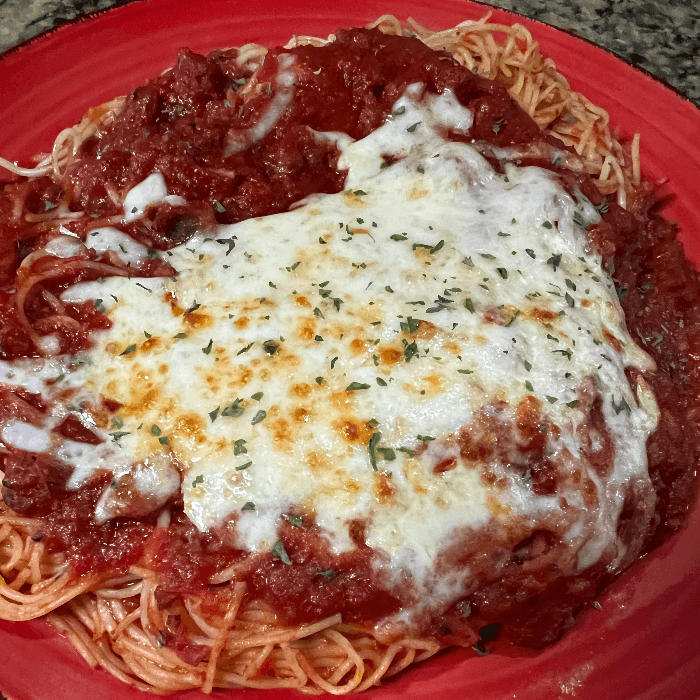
x,y
663,38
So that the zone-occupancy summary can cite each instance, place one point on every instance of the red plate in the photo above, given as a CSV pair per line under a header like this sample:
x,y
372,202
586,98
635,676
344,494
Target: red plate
x,y
645,643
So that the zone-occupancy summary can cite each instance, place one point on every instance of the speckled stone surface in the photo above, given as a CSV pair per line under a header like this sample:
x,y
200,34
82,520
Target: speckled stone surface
x,y
661,37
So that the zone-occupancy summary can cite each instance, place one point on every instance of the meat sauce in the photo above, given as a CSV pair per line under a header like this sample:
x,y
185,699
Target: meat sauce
x,y
183,125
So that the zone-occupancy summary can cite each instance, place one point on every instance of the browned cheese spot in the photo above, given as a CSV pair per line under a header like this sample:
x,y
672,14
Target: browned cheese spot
x,y
528,417
426,330
337,331
412,474
306,328
284,359
221,445
282,434
143,394
423,254
197,319
434,382
318,461
175,307
99,413
150,344
341,400
353,430
417,193
358,346
542,315
227,376
612,340
301,414
384,489
190,426
301,391
353,200
390,356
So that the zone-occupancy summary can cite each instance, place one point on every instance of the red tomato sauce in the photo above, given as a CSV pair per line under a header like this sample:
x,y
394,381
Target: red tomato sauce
x,y
183,124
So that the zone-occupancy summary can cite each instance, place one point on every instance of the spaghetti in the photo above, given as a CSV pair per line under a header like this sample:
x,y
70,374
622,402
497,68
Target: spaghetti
x,y
224,637
116,624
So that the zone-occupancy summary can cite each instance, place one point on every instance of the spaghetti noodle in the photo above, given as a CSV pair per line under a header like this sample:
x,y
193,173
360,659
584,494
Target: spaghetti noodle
x,y
224,637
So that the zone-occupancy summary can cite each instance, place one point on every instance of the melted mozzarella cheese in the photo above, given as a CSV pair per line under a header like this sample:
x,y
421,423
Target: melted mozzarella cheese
x,y
25,436
239,141
124,246
285,367
151,191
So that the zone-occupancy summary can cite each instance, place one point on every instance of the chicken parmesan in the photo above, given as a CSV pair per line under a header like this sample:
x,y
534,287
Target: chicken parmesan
x,y
298,391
